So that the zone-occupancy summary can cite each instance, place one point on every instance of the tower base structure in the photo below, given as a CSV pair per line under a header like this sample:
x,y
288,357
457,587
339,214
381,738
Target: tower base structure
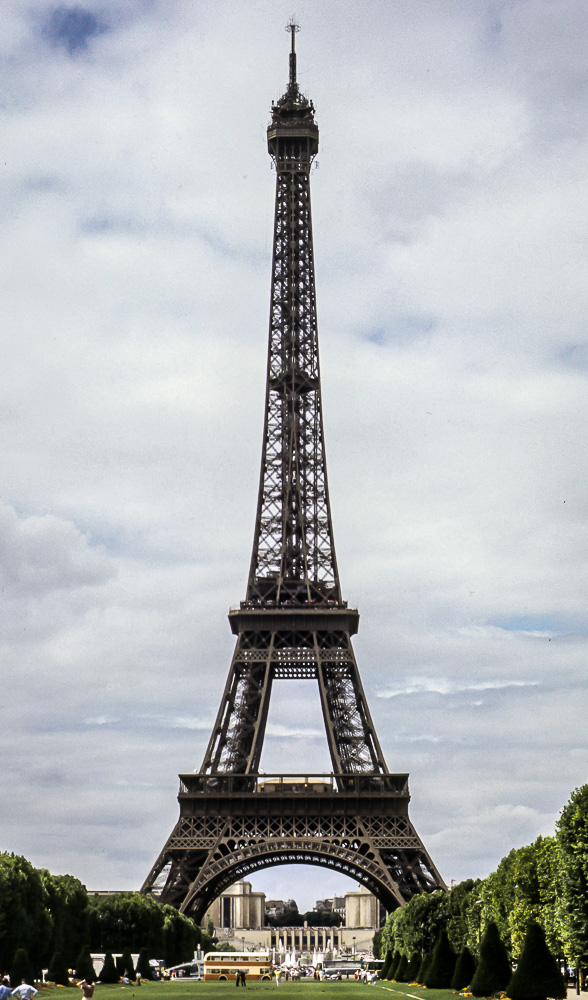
x,y
229,828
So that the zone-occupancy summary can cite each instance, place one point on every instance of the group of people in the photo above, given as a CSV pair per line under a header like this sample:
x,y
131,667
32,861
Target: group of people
x,y
23,992
240,977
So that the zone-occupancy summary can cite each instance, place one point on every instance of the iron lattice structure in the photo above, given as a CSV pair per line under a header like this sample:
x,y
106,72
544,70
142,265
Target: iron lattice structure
x,y
293,624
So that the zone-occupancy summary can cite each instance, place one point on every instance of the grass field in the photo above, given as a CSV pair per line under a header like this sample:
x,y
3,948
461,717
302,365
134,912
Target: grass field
x,y
187,989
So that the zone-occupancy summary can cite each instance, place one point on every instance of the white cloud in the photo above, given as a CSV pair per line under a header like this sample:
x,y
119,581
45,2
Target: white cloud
x,y
450,214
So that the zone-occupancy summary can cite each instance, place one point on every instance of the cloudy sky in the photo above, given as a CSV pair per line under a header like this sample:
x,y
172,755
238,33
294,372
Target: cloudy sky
x,y
450,210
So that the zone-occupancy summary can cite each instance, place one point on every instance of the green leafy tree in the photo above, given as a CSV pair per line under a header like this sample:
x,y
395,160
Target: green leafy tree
x,y
394,964
58,971
440,971
109,972
377,945
385,974
494,970
67,901
462,915
25,921
21,968
127,963
84,966
464,969
572,840
537,975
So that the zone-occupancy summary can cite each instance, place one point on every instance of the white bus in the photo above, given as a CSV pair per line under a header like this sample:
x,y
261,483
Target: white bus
x,y
224,965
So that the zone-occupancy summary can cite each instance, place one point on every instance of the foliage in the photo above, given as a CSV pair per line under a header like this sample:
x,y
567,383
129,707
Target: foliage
x,y
377,946
225,946
67,901
126,963
58,971
440,971
494,970
414,928
401,972
463,915
422,973
464,969
108,973
385,973
537,975
413,968
25,921
21,968
572,841
394,964
143,964
84,966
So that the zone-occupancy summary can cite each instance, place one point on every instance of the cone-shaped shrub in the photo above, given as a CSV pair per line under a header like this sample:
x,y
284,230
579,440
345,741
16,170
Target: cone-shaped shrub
x,y
396,960
58,971
494,971
21,968
422,973
84,968
440,971
402,970
143,964
127,963
537,974
108,973
386,965
413,968
464,970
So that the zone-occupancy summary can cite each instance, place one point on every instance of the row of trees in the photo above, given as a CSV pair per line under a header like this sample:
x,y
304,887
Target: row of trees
x,y
49,920
545,883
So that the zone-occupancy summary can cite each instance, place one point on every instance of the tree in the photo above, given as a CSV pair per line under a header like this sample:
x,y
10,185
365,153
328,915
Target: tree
x,y
572,841
109,972
440,971
143,966
464,970
84,966
67,901
413,968
401,972
385,973
537,975
58,971
494,970
126,962
394,964
25,921
21,968
422,973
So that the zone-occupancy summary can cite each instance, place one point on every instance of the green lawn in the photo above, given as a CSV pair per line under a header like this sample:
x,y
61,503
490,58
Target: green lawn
x,y
187,989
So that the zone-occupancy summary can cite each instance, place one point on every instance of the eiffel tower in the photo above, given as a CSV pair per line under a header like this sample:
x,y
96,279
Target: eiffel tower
x,y
292,625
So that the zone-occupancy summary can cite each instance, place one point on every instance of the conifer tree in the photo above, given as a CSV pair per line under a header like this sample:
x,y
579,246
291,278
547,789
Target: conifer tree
x,y
440,971
84,967
109,972
21,968
126,961
422,973
401,971
385,973
464,970
493,972
396,960
58,971
537,974
143,964
413,968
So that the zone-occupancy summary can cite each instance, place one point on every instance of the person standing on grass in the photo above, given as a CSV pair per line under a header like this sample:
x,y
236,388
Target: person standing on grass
x,y
5,990
24,991
87,988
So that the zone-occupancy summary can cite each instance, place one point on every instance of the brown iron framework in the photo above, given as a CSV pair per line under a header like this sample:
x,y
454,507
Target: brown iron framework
x,y
293,624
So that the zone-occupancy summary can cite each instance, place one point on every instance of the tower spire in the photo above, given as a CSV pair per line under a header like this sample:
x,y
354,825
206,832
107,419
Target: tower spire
x,y
292,27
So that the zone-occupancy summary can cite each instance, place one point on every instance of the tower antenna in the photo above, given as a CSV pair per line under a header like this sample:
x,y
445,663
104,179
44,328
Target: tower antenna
x,y
292,27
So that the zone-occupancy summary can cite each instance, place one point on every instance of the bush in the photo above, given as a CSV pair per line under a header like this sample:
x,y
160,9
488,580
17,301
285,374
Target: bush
x,y
58,971
422,973
84,967
442,967
385,973
21,968
401,971
413,968
109,972
143,964
537,975
464,970
494,971
126,963
396,960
